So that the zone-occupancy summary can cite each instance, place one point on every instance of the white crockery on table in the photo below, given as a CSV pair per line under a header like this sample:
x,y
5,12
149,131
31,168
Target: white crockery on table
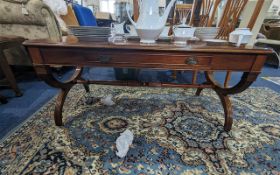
x,y
183,33
117,27
150,24
131,29
240,36
165,32
206,33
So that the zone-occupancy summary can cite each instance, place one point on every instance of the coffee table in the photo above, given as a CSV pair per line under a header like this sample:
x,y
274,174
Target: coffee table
x,y
196,56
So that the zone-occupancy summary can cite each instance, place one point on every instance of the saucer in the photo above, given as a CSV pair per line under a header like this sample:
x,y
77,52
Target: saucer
x,y
180,42
216,41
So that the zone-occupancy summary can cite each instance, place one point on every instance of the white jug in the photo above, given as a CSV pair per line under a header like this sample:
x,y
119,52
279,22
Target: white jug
x,y
131,30
150,24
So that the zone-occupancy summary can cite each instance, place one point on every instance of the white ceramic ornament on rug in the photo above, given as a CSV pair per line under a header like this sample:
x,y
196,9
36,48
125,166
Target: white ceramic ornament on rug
x,y
107,100
123,143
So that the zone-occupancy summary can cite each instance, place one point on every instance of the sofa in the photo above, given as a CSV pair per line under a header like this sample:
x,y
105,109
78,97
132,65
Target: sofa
x,y
39,23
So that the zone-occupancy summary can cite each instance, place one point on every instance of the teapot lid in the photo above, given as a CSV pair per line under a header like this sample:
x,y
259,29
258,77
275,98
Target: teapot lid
x,y
183,26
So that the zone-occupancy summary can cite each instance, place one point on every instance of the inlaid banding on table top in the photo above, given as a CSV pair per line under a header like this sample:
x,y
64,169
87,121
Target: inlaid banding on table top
x,y
160,46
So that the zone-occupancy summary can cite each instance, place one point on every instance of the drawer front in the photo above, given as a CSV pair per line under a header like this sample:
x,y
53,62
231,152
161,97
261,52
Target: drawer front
x,y
144,59
151,60
119,59
233,62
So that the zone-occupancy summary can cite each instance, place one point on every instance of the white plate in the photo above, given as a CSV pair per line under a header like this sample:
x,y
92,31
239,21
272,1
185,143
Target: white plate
x,y
216,40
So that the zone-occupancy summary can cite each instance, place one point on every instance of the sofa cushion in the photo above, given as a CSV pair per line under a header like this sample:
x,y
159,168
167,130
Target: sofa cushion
x,y
25,31
11,13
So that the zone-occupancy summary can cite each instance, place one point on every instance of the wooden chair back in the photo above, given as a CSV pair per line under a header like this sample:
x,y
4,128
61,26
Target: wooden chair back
x,y
207,12
254,20
183,10
232,11
70,19
135,9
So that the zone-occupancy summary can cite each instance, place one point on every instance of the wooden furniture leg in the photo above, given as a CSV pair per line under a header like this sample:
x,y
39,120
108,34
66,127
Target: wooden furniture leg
x,y
44,72
227,79
59,105
223,92
86,86
9,74
3,100
227,109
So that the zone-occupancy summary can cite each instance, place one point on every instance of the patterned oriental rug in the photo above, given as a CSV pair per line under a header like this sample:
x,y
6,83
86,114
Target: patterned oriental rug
x,y
176,133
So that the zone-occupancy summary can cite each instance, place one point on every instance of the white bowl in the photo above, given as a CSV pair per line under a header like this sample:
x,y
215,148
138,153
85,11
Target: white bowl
x,y
183,32
205,37
148,36
206,32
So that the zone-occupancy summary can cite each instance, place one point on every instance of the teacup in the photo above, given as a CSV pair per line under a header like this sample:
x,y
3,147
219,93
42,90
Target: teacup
x,y
182,34
131,29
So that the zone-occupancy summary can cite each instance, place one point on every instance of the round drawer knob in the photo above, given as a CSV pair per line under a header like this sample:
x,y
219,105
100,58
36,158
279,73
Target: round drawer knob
x,y
191,61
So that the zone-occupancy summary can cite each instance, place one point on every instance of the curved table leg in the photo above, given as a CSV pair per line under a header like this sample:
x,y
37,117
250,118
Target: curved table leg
x,y
198,91
247,79
227,110
59,105
44,72
86,86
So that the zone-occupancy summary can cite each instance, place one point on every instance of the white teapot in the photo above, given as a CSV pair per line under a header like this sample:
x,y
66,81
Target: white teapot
x,y
150,24
240,36
131,29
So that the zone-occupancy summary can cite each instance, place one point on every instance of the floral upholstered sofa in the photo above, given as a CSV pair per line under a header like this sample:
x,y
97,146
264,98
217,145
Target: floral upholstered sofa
x,y
30,19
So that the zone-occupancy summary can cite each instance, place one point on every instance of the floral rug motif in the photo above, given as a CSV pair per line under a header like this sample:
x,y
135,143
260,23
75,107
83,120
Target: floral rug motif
x,y
176,133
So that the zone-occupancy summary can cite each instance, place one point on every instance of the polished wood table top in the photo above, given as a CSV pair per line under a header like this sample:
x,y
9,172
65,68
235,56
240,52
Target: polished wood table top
x,y
193,46
195,56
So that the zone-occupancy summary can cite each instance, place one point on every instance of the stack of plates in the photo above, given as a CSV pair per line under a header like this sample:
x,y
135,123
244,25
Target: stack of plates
x,y
91,33
205,33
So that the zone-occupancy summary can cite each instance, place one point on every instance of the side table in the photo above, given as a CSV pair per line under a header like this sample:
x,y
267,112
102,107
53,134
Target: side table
x,y
5,43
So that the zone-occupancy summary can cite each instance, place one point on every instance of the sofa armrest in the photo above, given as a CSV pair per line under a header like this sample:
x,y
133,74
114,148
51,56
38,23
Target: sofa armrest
x,y
39,14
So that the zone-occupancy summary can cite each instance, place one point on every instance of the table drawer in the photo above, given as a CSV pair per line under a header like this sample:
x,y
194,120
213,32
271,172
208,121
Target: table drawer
x,y
150,59
119,59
